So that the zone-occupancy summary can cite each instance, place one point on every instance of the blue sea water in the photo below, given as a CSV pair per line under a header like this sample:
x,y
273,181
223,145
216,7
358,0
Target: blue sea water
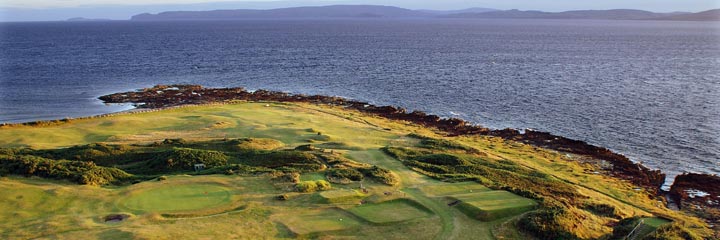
x,y
647,89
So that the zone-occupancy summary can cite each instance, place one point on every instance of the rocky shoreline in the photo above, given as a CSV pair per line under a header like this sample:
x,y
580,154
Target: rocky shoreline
x,y
163,96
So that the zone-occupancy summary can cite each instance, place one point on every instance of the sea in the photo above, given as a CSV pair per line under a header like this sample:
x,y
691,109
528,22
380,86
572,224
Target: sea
x,y
647,89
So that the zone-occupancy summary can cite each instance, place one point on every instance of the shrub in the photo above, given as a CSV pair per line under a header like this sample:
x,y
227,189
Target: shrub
x,y
381,175
441,159
186,158
545,224
671,232
346,174
292,177
313,186
76,171
624,227
602,209
296,160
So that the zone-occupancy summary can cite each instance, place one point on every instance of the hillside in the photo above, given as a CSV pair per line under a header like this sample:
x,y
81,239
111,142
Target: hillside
x,y
375,11
710,15
615,14
335,11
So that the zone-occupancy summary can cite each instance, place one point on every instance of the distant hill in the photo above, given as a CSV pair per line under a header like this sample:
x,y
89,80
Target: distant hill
x,y
710,15
81,19
375,11
615,14
335,11
468,10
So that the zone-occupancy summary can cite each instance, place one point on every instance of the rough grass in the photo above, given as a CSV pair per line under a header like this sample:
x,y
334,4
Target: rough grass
x,y
389,212
492,205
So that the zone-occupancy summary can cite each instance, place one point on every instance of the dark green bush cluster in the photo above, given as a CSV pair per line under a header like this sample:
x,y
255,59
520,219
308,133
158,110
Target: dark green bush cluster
x,y
77,171
292,160
441,159
442,144
543,225
623,227
345,174
186,158
313,186
671,232
236,169
381,175
601,209
292,177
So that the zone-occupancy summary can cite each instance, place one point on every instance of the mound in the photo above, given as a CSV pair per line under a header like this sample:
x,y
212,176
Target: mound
x,y
249,144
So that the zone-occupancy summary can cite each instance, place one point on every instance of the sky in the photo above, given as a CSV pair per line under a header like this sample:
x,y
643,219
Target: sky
x,y
663,5
45,10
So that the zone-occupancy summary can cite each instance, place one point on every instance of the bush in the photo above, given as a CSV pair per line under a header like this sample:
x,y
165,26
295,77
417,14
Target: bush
x,y
602,209
292,177
186,158
624,227
313,186
441,159
76,171
294,160
346,174
672,232
381,175
545,224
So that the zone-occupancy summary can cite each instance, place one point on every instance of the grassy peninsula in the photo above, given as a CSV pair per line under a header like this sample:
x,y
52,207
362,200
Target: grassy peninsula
x,y
281,170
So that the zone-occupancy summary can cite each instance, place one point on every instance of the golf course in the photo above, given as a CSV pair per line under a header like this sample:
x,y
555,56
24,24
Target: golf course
x,y
279,170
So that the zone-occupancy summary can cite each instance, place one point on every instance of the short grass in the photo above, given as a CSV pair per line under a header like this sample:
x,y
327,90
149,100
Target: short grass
x,y
392,211
312,176
453,188
182,197
650,224
318,221
341,196
492,205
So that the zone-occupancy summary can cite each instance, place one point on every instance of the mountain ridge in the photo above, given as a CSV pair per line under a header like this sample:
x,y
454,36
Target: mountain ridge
x,y
380,11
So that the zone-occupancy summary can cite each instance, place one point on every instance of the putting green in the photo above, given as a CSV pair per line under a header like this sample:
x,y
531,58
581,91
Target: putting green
x,y
492,205
317,221
172,198
391,211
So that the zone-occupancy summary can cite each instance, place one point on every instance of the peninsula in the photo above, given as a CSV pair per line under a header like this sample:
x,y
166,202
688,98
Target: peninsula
x,y
228,163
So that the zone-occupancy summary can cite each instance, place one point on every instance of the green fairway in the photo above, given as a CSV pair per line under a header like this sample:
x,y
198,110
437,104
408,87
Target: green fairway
x,y
453,188
341,196
491,205
318,221
184,197
391,211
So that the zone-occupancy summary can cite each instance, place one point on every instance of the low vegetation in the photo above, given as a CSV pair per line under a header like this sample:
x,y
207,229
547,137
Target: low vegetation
x,y
295,170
